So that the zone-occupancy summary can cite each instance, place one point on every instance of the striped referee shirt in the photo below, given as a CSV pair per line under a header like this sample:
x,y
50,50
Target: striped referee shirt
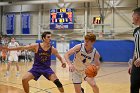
x,y
136,34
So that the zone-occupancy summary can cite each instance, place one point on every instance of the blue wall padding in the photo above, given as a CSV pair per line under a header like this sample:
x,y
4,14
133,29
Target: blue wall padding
x,y
53,43
112,50
38,41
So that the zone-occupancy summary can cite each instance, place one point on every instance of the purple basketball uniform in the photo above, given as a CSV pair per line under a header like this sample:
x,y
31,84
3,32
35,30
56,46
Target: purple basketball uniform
x,y
42,63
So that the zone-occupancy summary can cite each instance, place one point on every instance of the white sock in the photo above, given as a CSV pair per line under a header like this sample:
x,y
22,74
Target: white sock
x,y
17,72
7,72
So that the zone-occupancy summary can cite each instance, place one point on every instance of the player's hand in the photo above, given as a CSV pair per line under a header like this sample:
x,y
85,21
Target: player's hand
x,y
98,67
64,65
0,47
71,68
129,70
137,62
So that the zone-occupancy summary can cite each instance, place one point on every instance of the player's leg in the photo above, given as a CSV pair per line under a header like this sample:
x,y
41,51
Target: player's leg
x,y
92,83
25,81
9,65
56,81
77,80
17,66
50,75
33,73
10,59
77,88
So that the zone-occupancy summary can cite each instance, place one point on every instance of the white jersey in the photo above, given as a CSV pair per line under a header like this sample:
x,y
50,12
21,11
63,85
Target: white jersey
x,y
13,45
83,59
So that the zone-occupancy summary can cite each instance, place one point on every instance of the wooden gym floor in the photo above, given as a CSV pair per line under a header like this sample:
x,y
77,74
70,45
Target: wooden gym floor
x,y
112,78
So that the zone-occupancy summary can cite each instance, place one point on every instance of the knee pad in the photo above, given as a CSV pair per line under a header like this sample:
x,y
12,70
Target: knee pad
x,y
58,83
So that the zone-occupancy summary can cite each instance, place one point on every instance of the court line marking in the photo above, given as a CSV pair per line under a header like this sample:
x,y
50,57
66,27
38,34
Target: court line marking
x,y
96,77
46,90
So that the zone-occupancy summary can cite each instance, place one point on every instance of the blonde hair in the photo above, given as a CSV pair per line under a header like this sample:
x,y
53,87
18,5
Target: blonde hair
x,y
91,37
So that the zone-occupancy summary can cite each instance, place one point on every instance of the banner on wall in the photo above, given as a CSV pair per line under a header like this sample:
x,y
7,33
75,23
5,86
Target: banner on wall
x,y
25,23
10,23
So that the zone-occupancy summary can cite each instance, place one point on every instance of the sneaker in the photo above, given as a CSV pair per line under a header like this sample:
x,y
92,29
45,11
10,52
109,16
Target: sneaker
x,y
82,90
17,74
6,74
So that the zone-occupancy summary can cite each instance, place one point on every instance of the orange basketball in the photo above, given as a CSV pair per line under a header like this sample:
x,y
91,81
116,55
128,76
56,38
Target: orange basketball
x,y
91,71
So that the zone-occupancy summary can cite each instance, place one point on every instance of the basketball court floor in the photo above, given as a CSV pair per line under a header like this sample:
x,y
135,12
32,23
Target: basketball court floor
x,y
112,78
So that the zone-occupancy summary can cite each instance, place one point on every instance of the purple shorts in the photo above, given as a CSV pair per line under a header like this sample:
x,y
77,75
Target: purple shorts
x,y
38,72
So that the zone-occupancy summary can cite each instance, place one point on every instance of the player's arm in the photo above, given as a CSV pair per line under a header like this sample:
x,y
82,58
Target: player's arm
x,y
55,52
69,53
97,60
27,47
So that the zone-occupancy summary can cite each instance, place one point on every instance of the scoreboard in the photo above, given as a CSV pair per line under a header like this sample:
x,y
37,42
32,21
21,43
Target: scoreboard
x,y
96,20
61,19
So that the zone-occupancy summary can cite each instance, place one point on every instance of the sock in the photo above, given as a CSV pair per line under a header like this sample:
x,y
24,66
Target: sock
x,y
7,72
17,72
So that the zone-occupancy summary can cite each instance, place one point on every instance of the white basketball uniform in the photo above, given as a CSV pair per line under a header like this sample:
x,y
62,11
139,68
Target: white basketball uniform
x,y
81,60
13,55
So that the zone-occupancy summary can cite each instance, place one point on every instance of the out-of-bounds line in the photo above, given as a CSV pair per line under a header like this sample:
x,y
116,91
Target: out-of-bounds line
x,y
111,73
46,90
21,84
96,77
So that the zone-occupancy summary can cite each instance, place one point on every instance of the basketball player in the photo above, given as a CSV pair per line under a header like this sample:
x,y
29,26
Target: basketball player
x,y
85,54
12,56
42,62
0,48
135,69
0,40
4,55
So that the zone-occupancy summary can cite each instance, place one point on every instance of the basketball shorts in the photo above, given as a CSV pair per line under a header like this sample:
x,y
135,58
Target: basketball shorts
x,y
37,72
13,58
78,76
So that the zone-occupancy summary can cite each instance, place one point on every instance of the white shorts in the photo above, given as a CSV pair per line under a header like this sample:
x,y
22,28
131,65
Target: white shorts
x,y
78,76
13,58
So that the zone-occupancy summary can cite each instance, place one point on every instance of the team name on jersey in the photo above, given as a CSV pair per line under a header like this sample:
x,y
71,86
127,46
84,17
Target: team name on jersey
x,y
44,54
85,56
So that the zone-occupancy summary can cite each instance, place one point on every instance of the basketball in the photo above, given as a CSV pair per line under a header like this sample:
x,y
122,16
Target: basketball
x,y
91,71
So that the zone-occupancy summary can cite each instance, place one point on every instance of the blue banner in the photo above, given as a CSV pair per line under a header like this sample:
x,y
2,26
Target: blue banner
x,y
25,23
61,26
10,23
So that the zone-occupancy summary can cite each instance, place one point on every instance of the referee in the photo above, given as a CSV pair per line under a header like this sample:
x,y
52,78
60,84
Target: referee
x,y
0,40
135,70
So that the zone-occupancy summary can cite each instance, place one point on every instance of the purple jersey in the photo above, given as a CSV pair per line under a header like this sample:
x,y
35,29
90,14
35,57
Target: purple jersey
x,y
42,58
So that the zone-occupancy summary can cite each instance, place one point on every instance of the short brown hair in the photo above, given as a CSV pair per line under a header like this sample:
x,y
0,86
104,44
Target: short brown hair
x,y
137,11
90,37
44,34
